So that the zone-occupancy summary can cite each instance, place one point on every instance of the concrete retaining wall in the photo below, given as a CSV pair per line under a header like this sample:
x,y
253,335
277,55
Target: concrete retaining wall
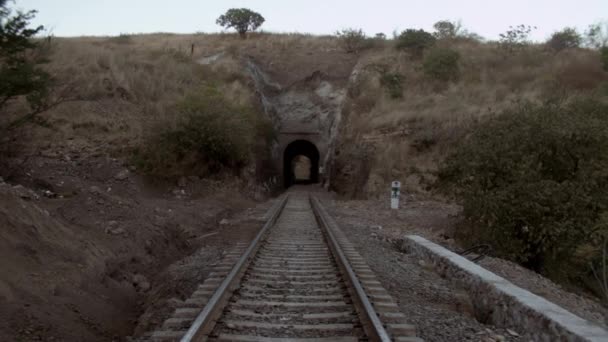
x,y
503,303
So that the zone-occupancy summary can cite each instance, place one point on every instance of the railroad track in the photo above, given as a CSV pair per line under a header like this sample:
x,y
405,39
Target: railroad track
x,y
300,280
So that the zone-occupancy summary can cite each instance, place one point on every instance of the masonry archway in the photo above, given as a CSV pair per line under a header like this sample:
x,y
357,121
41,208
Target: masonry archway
x,y
300,163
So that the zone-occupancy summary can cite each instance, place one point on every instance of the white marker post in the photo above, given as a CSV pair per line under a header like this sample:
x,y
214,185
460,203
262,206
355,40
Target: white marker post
x,y
395,193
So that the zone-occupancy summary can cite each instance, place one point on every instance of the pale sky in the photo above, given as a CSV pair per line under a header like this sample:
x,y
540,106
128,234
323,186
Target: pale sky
x,y
486,17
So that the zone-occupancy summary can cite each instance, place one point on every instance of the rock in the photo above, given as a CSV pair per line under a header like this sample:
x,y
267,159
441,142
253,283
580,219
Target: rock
x,y
48,154
24,193
224,222
174,303
49,194
113,229
122,175
144,286
512,333
117,231
141,282
379,227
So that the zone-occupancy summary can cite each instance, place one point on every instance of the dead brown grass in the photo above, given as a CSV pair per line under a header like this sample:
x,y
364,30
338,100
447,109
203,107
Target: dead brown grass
x,y
125,84
435,116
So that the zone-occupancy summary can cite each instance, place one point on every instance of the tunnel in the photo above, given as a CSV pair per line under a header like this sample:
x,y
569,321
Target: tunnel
x,y
300,163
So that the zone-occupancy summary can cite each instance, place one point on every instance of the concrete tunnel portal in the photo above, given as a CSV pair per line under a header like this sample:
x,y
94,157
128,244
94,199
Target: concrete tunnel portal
x,y
301,163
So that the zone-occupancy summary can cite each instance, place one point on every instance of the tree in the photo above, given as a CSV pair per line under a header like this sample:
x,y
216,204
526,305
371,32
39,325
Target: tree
x,y
242,20
567,38
596,35
516,38
353,40
20,59
446,29
415,41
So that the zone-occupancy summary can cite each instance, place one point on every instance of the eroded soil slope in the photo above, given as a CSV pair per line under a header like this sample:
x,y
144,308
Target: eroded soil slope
x,y
84,242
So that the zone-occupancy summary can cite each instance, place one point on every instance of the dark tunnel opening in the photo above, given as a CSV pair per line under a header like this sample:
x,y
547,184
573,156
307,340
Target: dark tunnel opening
x,y
300,163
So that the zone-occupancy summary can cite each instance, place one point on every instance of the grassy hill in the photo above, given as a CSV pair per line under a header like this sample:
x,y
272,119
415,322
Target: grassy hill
x,y
129,94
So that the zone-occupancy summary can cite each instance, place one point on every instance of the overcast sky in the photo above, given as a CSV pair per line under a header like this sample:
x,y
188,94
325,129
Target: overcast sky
x,y
485,17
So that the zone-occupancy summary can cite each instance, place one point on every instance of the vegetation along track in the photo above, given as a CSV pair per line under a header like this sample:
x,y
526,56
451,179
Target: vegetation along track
x,y
299,280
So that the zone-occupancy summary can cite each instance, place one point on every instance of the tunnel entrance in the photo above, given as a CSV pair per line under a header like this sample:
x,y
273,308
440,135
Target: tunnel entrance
x,y
300,163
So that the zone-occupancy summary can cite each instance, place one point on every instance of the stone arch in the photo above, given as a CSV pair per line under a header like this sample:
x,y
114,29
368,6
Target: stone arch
x,y
300,148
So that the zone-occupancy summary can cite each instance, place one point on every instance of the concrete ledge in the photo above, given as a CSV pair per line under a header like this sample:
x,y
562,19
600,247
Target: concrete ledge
x,y
504,304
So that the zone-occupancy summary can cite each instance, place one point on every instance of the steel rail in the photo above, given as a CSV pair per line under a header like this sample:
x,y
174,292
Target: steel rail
x,y
205,321
371,323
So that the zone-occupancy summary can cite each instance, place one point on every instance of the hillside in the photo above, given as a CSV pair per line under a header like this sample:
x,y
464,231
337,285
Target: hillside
x,y
82,213
119,88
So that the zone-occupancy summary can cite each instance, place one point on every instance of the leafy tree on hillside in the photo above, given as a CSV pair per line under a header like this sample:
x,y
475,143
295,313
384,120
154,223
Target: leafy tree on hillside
x,y
446,29
567,38
242,20
415,41
596,35
20,59
516,38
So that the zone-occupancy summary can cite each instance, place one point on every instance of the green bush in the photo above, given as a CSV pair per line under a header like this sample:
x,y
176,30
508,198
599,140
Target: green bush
x,y
604,57
533,183
567,38
353,40
206,135
393,84
441,64
415,41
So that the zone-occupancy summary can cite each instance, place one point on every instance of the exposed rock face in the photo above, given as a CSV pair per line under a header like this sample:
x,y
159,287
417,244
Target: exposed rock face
x,y
308,109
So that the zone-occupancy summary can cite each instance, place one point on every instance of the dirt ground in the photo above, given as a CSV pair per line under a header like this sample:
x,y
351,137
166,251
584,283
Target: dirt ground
x,y
440,310
87,246
89,251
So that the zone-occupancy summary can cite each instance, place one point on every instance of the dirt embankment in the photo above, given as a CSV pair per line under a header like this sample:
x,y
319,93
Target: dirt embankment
x,y
84,242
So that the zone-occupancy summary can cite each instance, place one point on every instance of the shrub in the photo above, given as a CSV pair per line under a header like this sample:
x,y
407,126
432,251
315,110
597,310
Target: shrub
x,y
446,29
242,20
353,40
415,41
567,38
123,38
209,135
580,75
393,83
604,57
516,38
380,36
442,64
533,181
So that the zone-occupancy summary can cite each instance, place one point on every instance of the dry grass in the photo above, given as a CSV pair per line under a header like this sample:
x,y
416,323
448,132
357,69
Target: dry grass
x,y
435,116
125,84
